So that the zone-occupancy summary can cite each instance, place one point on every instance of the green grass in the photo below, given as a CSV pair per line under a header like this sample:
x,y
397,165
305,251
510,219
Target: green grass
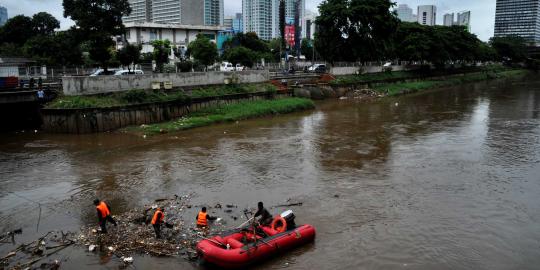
x,y
228,113
392,89
142,96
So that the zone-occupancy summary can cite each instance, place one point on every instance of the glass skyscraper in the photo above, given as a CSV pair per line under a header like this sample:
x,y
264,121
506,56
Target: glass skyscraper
x,y
518,18
3,15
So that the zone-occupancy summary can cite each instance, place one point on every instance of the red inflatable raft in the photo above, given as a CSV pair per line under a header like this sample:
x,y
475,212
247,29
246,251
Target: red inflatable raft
x,y
242,247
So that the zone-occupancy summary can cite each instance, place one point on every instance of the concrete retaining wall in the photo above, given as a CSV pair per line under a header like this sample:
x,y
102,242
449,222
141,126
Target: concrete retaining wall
x,y
77,85
78,121
365,69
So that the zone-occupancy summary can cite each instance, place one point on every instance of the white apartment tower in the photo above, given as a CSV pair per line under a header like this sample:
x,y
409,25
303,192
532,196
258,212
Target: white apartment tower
x,y
405,13
259,17
448,19
427,15
464,19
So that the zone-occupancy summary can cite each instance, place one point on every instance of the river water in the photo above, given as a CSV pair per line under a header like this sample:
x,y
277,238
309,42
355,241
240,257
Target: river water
x,y
446,179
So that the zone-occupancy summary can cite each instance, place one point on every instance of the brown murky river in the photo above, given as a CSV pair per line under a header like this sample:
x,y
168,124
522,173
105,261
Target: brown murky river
x,y
447,179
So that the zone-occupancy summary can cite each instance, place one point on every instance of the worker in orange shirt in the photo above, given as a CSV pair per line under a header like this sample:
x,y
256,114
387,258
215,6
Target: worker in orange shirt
x,y
157,220
203,218
104,214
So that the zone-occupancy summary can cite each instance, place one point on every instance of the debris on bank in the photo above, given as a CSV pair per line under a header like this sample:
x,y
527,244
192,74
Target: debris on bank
x,y
26,255
135,235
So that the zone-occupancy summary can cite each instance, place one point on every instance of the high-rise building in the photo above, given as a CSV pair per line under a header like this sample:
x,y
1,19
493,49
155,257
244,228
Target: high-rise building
x,y
405,13
213,12
192,12
3,15
238,23
259,16
141,11
228,22
166,11
262,16
448,19
518,18
464,19
309,29
189,12
427,15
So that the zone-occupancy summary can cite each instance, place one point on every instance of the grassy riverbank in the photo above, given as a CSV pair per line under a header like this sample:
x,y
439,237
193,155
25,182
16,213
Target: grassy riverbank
x,y
404,75
227,113
392,89
141,96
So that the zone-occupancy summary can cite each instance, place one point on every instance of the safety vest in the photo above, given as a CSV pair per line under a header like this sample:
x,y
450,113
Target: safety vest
x,y
103,209
155,218
201,219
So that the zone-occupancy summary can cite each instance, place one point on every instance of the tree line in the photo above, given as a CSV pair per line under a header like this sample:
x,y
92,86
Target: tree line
x,y
368,30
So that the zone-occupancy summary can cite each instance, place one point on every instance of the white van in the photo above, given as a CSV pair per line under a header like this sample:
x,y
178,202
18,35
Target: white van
x,y
226,66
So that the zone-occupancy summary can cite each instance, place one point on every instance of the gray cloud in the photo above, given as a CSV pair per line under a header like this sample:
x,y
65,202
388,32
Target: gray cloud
x,y
482,11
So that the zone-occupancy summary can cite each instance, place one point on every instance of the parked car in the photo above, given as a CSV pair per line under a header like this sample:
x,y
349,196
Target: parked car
x,y
101,72
317,68
226,66
239,67
128,72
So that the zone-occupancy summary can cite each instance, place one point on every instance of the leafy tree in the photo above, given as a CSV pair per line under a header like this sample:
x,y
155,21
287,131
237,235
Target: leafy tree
x,y
44,23
350,30
98,21
275,48
241,55
129,54
511,48
307,49
17,30
59,49
162,49
203,50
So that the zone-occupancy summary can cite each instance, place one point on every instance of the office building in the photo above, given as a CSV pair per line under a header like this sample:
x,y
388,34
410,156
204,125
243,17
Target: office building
x,y
3,15
238,23
405,13
427,15
186,12
448,19
166,11
464,19
213,12
518,18
141,11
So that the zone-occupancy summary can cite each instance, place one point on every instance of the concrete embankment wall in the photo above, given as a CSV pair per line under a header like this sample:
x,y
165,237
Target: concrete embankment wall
x,y
338,71
86,85
92,120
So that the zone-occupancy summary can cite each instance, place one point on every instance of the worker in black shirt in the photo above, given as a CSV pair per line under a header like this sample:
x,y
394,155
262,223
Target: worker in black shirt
x,y
266,218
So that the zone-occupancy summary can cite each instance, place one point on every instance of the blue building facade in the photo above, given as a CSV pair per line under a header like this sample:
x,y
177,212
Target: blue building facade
x,y
3,15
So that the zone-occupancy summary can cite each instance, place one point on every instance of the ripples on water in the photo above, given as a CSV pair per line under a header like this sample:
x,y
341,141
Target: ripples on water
x,y
441,180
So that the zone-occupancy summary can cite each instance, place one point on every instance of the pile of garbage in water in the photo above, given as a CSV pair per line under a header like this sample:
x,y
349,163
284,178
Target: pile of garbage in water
x,y
135,234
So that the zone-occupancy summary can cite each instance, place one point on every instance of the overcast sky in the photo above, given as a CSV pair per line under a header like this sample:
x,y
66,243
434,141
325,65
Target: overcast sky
x,y
482,11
